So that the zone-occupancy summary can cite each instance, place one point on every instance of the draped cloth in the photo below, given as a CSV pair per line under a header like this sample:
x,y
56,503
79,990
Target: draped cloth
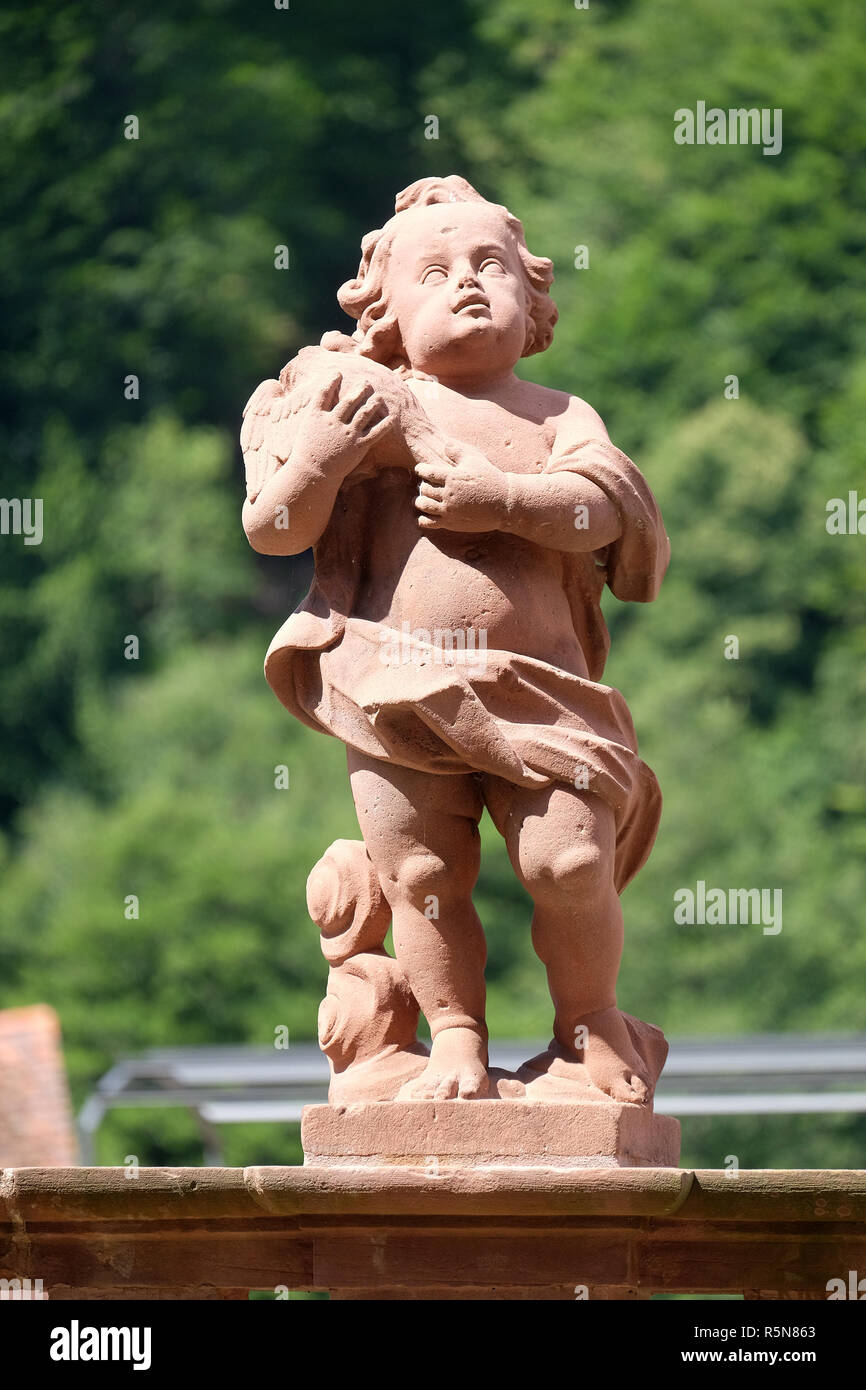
x,y
509,716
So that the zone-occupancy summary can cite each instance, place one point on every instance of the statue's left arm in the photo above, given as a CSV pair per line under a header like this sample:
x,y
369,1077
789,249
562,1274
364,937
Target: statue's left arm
x,y
635,550
464,491
589,498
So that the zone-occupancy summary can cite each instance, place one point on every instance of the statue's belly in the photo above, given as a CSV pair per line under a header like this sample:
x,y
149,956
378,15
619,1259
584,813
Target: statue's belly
x,y
494,584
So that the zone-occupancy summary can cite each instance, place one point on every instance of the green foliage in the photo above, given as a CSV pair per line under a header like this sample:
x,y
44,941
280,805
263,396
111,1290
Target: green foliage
x,y
187,819
155,776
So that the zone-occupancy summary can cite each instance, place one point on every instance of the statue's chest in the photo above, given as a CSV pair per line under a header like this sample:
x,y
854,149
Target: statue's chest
x,y
514,444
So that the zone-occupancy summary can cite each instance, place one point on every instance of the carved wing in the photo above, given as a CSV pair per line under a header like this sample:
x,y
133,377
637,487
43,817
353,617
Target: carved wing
x,y
266,433
271,414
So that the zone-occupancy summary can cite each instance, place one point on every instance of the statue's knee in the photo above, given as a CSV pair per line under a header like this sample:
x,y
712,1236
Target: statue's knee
x,y
580,870
418,878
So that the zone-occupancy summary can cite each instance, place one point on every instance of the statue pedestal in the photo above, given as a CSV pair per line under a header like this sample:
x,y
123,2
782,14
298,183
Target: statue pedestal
x,y
489,1134
504,1144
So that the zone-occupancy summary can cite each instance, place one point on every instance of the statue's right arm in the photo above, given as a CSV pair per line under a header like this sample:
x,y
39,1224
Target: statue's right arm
x,y
335,430
294,507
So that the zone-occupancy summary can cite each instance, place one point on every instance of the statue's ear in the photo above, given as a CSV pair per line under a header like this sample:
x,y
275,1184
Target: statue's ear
x,y
529,341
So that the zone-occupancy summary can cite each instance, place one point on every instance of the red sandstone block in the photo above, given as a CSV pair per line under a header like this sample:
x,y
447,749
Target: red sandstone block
x,y
502,1133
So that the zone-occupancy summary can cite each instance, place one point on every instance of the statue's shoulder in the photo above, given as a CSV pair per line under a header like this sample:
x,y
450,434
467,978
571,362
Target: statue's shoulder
x,y
573,421
577,422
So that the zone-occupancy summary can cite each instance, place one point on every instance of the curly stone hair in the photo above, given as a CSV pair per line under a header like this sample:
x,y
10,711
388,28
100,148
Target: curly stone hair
x,y
365,298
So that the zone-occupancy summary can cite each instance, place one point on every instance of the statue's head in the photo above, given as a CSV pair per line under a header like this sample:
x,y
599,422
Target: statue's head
x,y
448,286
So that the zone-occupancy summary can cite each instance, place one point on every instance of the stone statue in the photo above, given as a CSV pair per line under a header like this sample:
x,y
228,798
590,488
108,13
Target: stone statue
x,y
464,523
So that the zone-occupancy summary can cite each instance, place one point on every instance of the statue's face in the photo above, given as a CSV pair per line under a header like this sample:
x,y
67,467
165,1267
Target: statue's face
x,y
457,287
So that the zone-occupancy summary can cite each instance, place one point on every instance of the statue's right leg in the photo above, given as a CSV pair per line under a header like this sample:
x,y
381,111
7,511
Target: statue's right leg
x,y
421,832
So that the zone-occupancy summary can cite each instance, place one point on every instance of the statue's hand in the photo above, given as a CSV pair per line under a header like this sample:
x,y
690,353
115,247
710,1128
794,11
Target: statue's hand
x,y
340,423
462,491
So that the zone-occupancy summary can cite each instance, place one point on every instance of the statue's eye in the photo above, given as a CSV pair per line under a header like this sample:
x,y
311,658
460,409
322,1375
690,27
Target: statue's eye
x,y
493,264
433,275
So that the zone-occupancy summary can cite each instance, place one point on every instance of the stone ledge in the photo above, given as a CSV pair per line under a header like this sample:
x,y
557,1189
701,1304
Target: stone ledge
x,y
218,1232
189,1194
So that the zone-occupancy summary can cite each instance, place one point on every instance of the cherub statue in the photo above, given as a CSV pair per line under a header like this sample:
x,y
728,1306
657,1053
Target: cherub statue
x,y
454,508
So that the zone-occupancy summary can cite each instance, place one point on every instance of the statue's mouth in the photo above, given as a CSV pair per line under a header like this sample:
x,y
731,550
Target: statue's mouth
x,y
476,302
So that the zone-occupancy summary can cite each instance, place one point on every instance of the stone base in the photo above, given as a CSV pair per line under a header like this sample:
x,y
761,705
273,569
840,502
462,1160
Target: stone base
x,y
488,1134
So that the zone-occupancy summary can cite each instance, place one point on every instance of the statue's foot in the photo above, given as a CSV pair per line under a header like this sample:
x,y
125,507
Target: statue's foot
x,y
457,1069
610,1057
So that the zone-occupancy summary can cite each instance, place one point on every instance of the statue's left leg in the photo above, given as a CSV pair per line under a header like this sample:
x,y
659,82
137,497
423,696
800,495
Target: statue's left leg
x,y
562,843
